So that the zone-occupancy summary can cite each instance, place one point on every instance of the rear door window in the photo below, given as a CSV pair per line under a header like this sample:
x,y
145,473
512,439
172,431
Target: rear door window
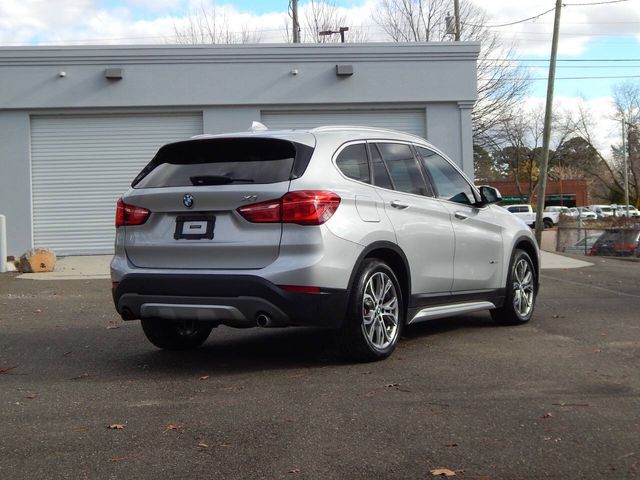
x,y
352,162
404,168
221,161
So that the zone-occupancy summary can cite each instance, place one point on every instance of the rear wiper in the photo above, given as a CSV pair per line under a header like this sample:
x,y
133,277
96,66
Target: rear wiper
x,y
217,180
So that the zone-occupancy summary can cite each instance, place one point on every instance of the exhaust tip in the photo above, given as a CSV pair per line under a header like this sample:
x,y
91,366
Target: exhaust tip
x,y
126,314
263,320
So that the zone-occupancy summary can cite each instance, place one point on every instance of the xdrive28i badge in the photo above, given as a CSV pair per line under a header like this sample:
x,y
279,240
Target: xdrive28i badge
x,y
187,200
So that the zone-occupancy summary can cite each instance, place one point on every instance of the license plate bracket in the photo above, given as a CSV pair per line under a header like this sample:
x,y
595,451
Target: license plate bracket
x,y
194,227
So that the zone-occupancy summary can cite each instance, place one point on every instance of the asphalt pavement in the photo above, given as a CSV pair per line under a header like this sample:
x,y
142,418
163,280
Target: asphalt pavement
x,y
557,398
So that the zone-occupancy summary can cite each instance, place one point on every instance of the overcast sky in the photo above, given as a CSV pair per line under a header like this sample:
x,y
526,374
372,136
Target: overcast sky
x,y
599,44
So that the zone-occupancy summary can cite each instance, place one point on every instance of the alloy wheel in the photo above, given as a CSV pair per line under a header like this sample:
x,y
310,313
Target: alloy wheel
x,y
380,311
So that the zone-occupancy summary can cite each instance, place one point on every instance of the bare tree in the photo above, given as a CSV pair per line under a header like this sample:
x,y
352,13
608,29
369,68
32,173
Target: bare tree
x,y
319,16
501,83
209,24
626,98
516,147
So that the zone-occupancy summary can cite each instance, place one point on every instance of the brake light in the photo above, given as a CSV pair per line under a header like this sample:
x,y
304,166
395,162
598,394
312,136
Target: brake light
x,y
130,214
304,207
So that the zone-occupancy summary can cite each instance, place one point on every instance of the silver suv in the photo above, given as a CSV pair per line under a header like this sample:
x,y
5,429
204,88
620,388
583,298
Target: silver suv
x,y
357,229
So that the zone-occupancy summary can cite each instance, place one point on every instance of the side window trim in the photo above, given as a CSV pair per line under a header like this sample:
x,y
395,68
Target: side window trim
x,y
431,185
371,145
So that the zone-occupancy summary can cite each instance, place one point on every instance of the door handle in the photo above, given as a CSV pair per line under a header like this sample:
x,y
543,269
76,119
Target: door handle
x,y
399,205
460,216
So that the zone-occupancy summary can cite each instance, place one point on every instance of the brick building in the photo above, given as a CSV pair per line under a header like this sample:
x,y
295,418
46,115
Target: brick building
x,y
569,193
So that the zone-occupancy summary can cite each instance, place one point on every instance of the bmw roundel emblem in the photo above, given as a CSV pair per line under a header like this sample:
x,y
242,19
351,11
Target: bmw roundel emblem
x,y
187,200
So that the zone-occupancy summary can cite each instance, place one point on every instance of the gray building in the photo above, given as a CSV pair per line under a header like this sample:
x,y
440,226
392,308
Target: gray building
x,y
77,123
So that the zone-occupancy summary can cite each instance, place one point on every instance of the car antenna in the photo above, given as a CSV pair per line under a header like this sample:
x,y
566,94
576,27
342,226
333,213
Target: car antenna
x,y
258,127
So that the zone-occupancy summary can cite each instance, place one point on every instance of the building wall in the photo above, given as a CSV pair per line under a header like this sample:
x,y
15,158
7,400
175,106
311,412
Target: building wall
x,y
230,85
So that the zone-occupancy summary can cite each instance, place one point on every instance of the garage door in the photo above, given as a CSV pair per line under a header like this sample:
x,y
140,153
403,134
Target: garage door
x,y
81,164
410,121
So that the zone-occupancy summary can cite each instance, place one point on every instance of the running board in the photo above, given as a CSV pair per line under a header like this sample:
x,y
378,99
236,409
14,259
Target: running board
x,y
442,311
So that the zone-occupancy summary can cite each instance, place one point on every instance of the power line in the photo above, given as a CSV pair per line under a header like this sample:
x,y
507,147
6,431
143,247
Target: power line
x,y
592,3
511,23
534,17
564,60
612,77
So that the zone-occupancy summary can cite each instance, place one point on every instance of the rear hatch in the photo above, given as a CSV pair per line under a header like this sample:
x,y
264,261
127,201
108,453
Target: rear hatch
x,y
193,189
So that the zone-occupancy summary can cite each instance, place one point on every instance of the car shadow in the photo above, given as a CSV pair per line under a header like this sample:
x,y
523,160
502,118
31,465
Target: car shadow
x,y
252,350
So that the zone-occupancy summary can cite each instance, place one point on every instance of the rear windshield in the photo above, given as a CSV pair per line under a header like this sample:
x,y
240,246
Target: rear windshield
x,y
220,161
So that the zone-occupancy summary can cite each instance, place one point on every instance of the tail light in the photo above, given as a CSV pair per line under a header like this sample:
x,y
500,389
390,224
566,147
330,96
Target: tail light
x,y
130,214
304,207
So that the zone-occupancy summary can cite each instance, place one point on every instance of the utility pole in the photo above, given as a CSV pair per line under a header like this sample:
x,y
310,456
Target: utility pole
x,y
456,16
546,133
626,168
294,17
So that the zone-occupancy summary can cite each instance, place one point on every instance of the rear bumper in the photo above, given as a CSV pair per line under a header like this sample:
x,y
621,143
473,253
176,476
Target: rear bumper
x,y
234,300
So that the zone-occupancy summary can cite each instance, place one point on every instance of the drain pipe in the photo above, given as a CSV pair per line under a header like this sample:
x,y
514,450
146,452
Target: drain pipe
x,y
3,244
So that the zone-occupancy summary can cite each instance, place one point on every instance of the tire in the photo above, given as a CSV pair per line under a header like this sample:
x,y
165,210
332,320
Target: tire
x,y
373,322
547,223
175,335
521,285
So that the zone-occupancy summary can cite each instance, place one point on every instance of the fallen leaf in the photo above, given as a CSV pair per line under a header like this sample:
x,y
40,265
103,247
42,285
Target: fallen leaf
x,y
118,459
562,404
232,389
203,445
111,327
117,426
391,385
7,369
451,445
66,353
204,377
37,310
294,470
31,396
547,415
443,472
173,426
80,377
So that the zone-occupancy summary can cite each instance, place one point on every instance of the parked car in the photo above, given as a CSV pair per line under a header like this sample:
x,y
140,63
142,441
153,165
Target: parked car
x,y
587,214
526,213
602,211
582,246
619,242
621,211
555,211
357,229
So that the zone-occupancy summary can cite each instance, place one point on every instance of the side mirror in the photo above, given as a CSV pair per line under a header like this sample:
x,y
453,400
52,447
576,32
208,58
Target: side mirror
x,y
489,195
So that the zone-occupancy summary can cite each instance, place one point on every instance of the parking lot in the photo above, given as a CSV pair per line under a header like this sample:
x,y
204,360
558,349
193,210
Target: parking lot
x,y
557,398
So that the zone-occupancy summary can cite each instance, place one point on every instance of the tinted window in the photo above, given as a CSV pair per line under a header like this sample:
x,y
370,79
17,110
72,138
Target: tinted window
x,y
352,161
380,174
403,168
219,162
448,182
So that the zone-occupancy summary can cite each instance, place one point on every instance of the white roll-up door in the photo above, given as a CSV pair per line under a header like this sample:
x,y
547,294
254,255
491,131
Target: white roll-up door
x,y
81,164
409,121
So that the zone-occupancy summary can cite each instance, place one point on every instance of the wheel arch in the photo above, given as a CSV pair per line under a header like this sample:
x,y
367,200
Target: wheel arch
x,y
528,245
393,256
